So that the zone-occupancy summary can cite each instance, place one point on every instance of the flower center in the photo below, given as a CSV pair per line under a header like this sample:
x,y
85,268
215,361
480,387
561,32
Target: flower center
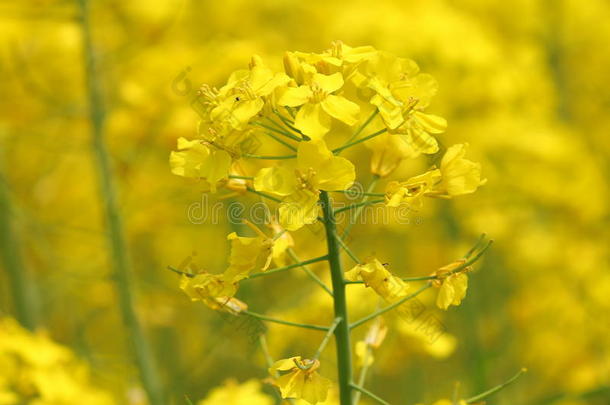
x,y
318,93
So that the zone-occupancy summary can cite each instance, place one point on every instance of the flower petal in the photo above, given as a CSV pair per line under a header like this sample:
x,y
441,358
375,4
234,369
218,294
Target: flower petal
x,y
299,209
294,96
341,108
329,83
312,121
277,180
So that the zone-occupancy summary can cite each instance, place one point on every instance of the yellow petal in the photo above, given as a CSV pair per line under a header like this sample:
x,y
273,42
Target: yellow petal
x,y
248,254
284,364
460,285
385,284
460,176
294,96
341,108
420,141
431,123
277,180
331,172
329,83
290,383
310,154
315,388
337,173
264,81
445,295
390,113
299,209
197,160
312,120
244,110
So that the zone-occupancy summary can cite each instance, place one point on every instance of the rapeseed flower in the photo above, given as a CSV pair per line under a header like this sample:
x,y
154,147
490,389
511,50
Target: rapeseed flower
x,y
301,380
299,184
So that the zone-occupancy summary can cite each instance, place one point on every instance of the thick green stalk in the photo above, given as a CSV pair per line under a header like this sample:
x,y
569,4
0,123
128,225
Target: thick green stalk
x,y
116,240
21,288
342,331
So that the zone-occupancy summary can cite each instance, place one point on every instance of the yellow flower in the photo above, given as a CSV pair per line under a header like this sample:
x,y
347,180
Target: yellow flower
x,y
388,152
212,289
416,129
245,93
302,380
316,169
36,370
196,159
398,87
453,285
456,176
233,393
318,103
375,275
411,191
248,254
459,176
337,56
282,242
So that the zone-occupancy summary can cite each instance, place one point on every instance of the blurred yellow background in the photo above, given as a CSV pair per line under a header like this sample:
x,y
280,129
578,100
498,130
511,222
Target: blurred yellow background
x,y
524,82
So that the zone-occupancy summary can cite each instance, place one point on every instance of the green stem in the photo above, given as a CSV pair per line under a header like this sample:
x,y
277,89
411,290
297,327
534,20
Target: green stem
x,y
262,273
310,273
291,127
369,394
361,128
233,176
357,205
495,389
389,307
283,322
116,240
349,252
280,140
278,131
326,339
475,246
366,138
21,287
342,331
288,267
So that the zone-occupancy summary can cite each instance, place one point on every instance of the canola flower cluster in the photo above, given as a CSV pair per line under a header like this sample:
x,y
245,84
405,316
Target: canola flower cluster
x,y
320,105
37,371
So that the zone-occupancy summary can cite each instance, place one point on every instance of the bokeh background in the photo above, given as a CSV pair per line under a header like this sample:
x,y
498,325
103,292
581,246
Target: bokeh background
x,y
525,83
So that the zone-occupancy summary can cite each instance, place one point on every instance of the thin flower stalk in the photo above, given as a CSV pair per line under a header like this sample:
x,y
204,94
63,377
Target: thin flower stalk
x,y
116,239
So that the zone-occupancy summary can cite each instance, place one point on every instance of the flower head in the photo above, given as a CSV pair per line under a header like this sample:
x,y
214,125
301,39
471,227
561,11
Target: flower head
x,y
197,159
211,289
301,379
318,103
412,190
299,184
375,275
245,93
459,176
248,254
452,284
